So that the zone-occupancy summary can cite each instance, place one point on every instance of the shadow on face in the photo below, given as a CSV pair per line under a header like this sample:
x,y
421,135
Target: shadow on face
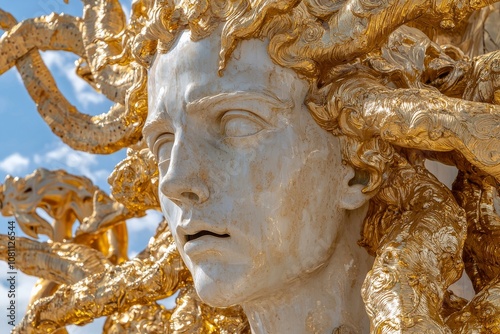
x,y
253,189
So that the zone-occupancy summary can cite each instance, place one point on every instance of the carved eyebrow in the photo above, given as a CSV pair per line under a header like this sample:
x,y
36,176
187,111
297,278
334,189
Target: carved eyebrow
x,y
154,126
156,117
244,99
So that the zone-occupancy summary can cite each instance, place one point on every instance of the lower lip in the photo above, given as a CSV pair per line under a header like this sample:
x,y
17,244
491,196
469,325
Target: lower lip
x,y
207,244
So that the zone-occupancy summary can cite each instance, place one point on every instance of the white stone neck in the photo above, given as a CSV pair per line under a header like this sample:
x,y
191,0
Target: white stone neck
x,y
324,302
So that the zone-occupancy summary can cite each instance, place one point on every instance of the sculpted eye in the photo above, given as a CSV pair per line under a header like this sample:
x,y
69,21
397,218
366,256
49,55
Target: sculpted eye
x,y
241,123
162,147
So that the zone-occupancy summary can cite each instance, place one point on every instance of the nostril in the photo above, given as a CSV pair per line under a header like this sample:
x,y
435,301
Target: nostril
x,y
191,196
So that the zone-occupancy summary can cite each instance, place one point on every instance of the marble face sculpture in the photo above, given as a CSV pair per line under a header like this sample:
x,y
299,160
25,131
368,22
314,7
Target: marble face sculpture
x,y
255,192
277,131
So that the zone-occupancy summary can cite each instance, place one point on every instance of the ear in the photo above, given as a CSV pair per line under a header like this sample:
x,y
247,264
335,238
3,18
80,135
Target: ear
x,y
352,196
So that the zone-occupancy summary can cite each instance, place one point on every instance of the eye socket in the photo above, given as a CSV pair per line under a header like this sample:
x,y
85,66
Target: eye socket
x,y
241,123
162,147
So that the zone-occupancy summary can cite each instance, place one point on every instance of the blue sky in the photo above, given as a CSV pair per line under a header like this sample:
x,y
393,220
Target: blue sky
x,y
27,143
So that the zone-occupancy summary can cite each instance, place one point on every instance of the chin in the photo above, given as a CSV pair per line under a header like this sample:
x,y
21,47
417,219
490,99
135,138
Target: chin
x,y
214,297
216,294
219,287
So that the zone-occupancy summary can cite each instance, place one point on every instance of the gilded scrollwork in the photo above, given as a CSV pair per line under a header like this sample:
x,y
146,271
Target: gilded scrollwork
x,y
380,78
405,238
479,196
61,32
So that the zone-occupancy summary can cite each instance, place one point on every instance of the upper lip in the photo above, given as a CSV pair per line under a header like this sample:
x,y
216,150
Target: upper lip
x,y
196,229
190,237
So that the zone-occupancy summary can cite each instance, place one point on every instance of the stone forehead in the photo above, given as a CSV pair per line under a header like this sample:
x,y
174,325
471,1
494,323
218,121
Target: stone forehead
x,y
193,64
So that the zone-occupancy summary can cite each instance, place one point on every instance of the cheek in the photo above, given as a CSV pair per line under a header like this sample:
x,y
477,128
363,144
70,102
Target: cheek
x,y
312,212
310,202
172,213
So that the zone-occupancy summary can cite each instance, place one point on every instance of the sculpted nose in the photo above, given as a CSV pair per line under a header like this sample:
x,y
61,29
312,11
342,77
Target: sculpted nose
x,y
184,190
184,183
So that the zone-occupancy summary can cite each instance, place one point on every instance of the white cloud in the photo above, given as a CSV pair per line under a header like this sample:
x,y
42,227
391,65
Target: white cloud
x,y
53,60
63,64
14,163
74,161
149,222
101,174
85,94
169,302
127,9
18,77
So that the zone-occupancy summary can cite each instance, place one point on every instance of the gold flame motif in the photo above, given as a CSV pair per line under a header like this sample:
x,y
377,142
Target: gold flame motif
x,y
398,81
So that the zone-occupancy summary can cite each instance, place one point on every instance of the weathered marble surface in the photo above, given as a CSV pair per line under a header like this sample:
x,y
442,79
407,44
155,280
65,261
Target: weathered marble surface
x,y
254,191
276,132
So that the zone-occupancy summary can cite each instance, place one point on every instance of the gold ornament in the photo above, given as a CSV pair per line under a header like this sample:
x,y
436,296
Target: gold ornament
x,y
398,81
